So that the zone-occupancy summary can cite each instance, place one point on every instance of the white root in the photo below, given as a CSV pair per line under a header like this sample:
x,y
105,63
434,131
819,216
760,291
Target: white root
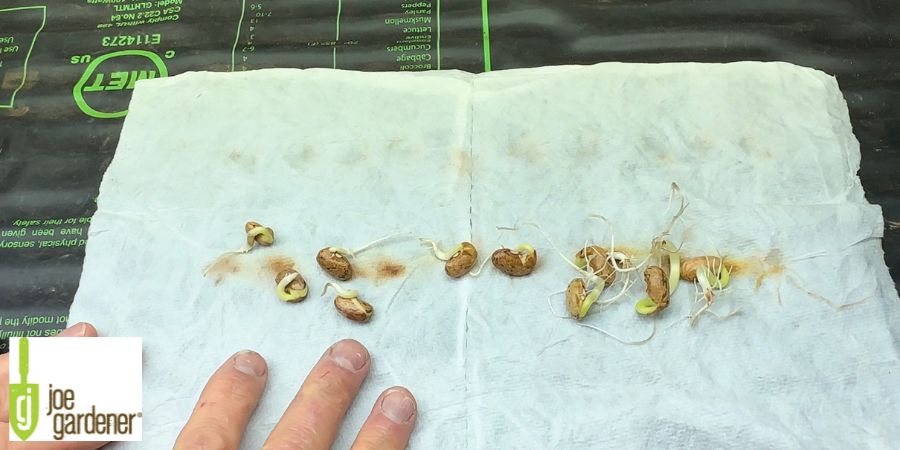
x,y
626,285
620,340
719,316
675,191
704,291
438,253
615,256
354,252
475,273
612,259
707,309
341,292
550,304
705,286
283,284
700,311
246,247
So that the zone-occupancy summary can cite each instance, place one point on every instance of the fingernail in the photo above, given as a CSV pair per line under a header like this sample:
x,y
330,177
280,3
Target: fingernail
x,y
250,363
398,406
76,330
350,355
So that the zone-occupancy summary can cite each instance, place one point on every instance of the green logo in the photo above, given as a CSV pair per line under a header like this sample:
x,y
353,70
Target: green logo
x,y
23,398
106,83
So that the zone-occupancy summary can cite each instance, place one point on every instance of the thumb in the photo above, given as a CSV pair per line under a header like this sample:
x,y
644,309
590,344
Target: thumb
x,y
81,329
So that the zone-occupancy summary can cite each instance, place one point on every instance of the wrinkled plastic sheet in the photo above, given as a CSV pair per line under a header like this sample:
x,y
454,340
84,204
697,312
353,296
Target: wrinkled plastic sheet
x,y
763,153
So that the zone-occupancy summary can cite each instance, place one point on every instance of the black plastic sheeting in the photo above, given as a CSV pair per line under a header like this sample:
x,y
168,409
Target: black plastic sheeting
x,y
67,69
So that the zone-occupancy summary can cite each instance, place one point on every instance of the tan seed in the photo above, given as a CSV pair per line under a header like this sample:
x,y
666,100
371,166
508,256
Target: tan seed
x,y
264,239
354,308
575,294
598,260
657,286
462,261
297,285
689,266
513,263
335,264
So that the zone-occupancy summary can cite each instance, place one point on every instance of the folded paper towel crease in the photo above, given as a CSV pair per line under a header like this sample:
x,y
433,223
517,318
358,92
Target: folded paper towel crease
x,y
763,153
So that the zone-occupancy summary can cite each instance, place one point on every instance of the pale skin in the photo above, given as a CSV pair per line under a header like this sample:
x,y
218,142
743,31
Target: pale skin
x,y
311,421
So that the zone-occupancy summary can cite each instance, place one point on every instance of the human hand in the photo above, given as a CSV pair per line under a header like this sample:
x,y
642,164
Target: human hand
x,y
77,330
313,418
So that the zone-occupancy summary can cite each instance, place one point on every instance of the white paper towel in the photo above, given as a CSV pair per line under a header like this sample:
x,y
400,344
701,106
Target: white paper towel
x,y
764,153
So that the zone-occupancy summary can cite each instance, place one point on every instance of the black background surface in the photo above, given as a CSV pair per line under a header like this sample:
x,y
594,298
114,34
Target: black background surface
x,y
52,156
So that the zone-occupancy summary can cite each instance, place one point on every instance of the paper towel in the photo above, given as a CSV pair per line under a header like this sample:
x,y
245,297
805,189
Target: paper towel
x,y
763,153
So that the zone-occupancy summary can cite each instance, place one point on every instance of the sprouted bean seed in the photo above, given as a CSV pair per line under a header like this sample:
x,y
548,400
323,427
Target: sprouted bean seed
x,y
354,309
710,273
349,304
291,287
259,234
515,263
462,261
598,260
575,294
657,291
334,262
579,299
690,266
255,234
458,261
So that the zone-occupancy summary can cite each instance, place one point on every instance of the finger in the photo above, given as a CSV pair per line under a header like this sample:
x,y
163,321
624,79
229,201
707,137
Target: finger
x,y
313,418
390,423
47,445
226,404
80,329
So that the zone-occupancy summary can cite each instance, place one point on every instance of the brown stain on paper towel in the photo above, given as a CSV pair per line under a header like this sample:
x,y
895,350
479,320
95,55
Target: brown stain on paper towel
x,y
222,267
231,265
390,269
381,269
278,263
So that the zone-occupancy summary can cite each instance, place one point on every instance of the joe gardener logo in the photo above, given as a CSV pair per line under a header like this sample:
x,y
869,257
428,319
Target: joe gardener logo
x,y
75,389
23,398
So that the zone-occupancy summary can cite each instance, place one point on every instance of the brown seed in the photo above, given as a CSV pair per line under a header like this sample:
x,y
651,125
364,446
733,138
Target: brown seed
x,y
354,308
462,261
575,294
598,260
689,266
657,286
264,239
513,263
336,264
297,285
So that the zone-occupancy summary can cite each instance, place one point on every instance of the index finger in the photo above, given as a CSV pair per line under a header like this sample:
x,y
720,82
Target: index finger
x,y
312,420
226,404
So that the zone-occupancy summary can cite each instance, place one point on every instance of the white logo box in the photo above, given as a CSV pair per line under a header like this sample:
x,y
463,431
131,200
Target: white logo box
x,y
95,376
